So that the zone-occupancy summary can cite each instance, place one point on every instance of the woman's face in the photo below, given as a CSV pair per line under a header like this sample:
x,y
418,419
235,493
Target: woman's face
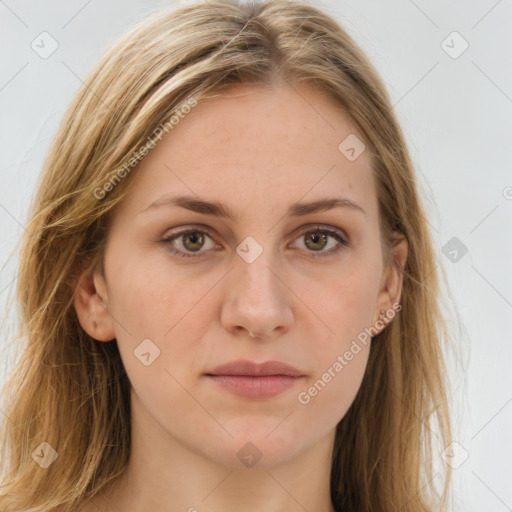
x,y
260,286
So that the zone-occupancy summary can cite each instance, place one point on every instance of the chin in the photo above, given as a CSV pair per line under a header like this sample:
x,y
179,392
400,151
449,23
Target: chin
x,y
254,444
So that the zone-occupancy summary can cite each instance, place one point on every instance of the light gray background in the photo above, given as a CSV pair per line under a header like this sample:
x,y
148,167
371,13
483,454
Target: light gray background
x,y
456,113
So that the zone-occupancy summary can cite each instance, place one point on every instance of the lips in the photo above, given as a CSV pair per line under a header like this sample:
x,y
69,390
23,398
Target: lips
x,y
249,368
256,380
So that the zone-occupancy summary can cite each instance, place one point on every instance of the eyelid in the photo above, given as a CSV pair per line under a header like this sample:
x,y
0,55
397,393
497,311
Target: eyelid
x,y
331,231
314,226
336,233
169,238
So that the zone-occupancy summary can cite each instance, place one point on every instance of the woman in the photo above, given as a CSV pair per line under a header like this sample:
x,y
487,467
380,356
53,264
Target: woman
x,y
226,283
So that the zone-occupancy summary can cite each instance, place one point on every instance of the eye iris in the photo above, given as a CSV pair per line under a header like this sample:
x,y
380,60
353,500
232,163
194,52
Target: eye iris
x,y
193,237
316,236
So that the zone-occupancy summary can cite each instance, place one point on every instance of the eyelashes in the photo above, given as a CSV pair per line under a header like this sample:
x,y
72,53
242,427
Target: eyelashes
x,y
194,236
186,233
324,234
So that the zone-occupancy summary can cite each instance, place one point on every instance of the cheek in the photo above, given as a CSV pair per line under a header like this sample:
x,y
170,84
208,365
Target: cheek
x,y
167,316
345,305
149,299
345,302
331,392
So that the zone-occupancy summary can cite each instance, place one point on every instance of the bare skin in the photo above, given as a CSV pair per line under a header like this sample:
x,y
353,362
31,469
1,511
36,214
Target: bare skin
x,y
258,150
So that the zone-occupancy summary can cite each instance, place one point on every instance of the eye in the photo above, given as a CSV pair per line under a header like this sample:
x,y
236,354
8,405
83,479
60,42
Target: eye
x,y
317,239
190,241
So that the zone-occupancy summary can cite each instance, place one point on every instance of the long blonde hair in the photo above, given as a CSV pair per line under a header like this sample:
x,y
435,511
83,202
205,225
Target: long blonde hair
x,y
72,392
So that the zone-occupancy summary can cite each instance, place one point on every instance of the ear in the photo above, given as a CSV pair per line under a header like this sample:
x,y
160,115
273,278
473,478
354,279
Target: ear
x,y
392,281
91,305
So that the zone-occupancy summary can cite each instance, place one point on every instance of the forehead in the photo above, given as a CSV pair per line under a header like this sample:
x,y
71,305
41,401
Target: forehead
x,y
255,146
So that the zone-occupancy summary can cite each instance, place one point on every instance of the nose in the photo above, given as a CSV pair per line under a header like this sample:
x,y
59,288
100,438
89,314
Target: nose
x,y
257,300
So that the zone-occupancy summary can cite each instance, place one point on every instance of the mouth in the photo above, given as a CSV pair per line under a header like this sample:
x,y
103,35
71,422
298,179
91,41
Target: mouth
x,y
255,380
266,386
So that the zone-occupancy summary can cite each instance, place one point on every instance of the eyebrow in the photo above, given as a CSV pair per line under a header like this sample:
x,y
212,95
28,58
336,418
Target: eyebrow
x,y
218,209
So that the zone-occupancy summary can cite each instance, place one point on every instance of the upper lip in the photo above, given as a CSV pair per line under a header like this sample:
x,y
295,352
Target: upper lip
x,y
245,367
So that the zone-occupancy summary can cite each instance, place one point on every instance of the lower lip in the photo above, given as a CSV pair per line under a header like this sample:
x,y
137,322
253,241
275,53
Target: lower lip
x,y
255,387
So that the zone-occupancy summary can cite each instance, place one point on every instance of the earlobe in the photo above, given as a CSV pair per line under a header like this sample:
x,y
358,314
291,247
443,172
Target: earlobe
x,y
91,306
